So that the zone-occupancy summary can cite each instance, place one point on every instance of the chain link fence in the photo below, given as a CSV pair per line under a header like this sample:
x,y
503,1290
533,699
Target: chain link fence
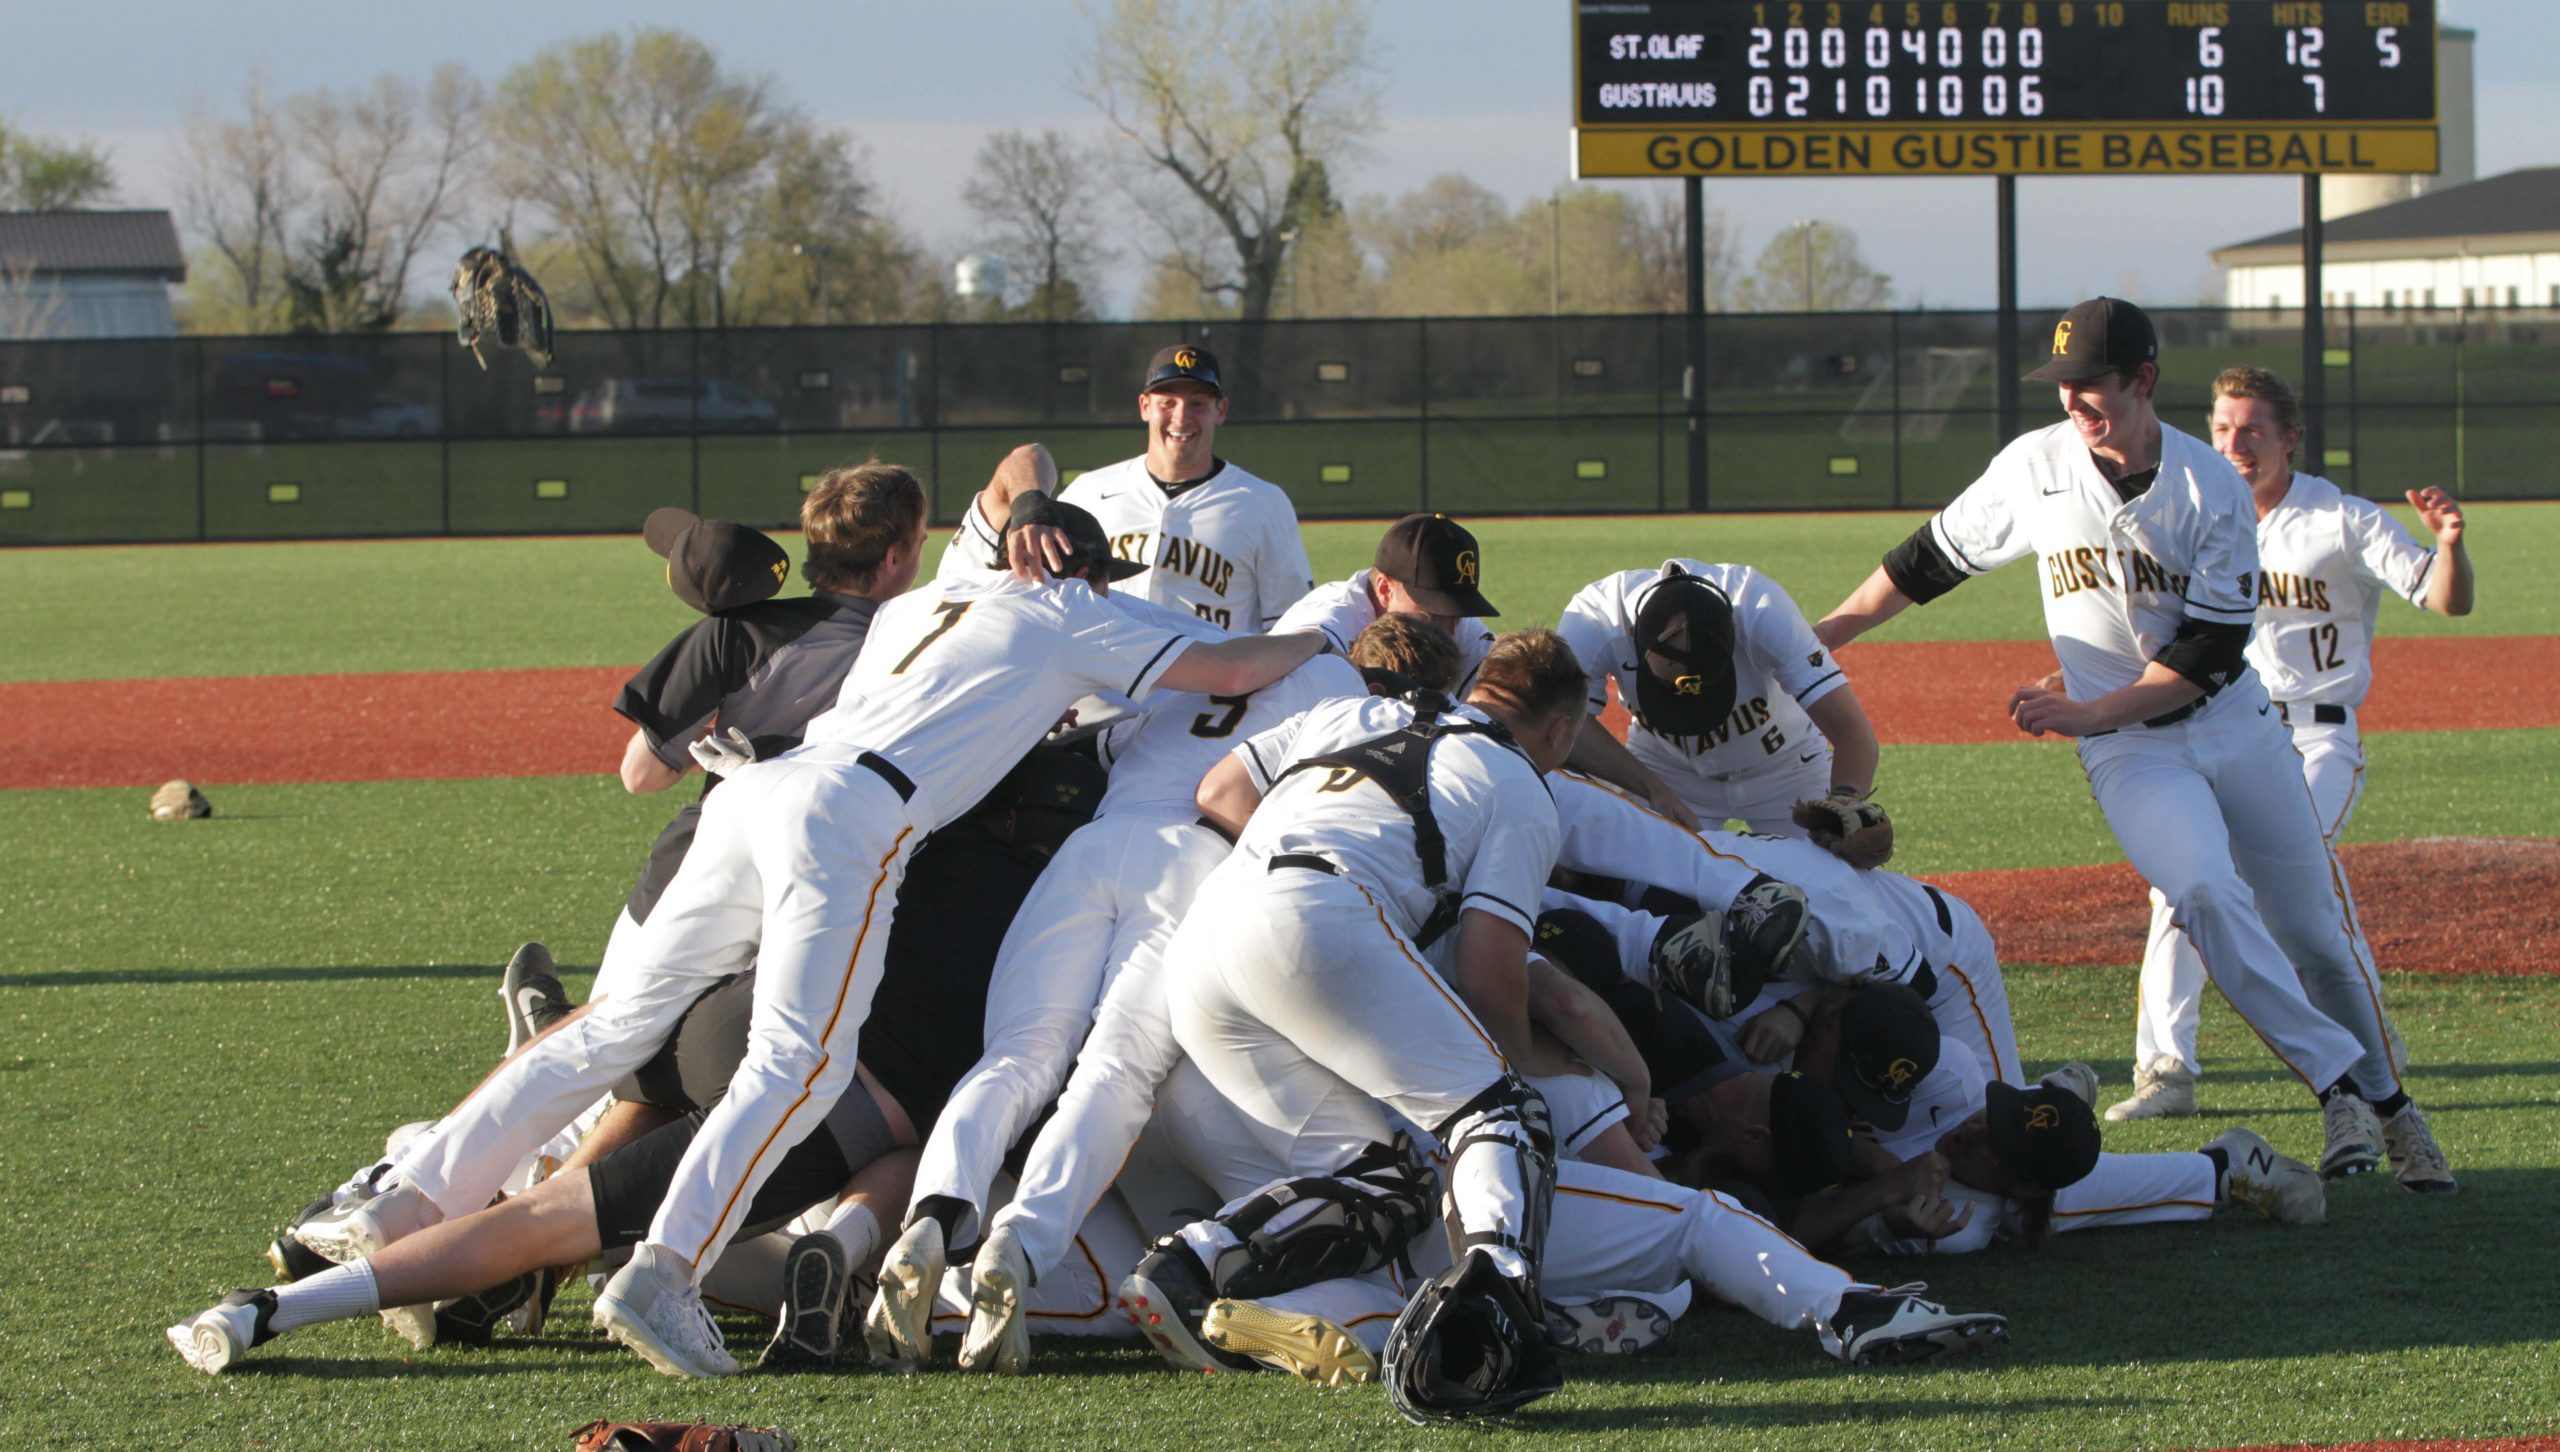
x,y
293,437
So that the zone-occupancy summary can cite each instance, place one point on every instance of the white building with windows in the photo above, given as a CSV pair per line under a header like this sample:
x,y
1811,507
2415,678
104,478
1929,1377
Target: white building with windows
x,y
88,274
2493,243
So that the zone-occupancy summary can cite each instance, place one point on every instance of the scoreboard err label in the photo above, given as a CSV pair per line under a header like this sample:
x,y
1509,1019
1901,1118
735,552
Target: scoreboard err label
x,y
1983,87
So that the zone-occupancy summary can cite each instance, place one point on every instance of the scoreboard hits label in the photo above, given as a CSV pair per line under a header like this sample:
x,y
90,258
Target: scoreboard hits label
x,y
1984,87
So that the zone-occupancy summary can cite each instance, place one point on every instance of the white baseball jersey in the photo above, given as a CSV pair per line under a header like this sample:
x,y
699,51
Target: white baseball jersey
x,y
959,678
2325,558
1490,803
1779,667
1344,608
2119,578
1157,758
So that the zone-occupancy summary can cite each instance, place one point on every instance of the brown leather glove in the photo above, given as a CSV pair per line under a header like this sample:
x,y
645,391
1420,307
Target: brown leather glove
x,y
682,1437
1852,829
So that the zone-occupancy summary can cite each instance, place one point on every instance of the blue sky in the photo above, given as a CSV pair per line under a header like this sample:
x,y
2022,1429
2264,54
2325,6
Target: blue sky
x,y
1480,87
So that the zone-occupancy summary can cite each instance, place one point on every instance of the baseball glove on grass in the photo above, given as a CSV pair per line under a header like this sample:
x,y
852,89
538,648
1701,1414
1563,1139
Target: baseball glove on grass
x,y
1851,828
681,1437
177,801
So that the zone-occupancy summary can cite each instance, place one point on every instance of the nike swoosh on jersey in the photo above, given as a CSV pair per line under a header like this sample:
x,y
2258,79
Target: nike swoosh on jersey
x,y
1807,758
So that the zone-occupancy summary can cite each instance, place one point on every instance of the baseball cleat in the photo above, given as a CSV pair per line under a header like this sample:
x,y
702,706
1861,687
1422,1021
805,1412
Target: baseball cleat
x,y
2162,1089
2417,1161
1166,1298
2278,1187
360,1227
214,1338
2354,1137
816,1273
2076,1078
998,1339
899,1326
531,993
473,1320
655,1309
1308,1347
290,1258
1885,1328
1609,1326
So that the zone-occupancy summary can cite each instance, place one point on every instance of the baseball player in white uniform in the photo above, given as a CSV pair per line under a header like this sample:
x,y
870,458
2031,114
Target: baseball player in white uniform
x,y
1085,953
2150,569
1427,564
1738,711
1367,943
2325,561
1211,538
797,866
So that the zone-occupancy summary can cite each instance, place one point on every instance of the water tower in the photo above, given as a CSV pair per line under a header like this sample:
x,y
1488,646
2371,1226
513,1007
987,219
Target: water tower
x,y
979,276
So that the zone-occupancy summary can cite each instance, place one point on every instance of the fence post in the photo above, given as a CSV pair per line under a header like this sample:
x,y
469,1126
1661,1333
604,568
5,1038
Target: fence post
x,y
693,372
1422,386
2355,401
444,433
203,525
1893,367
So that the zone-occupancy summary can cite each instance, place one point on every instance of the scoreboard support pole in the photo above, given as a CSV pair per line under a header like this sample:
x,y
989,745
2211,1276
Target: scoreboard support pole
x,y
2008,349
2315,332
1694,378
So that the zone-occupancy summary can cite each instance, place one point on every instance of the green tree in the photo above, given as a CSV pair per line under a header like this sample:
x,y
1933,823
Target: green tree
x,y
1812,267
1039,199
40,174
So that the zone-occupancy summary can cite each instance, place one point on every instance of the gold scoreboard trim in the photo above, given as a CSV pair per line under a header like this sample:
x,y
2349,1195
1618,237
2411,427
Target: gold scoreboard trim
x,y
1987,150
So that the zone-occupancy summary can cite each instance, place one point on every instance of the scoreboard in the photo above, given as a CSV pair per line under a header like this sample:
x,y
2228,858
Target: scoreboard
x,y
1983,87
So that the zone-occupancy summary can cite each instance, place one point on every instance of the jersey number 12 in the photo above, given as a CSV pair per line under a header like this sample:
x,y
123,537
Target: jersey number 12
x,y
2324,648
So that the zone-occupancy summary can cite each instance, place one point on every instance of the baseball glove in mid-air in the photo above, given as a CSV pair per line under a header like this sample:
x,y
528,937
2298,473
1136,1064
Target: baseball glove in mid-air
x,y
1852,828
494,299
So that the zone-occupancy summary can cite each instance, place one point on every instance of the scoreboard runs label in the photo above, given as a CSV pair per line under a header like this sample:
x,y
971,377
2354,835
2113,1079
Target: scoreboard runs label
x,y
1957,87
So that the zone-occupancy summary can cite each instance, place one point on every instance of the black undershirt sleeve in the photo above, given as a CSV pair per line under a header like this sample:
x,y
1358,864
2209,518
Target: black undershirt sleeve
x,y
1921,570
684,685
2207,652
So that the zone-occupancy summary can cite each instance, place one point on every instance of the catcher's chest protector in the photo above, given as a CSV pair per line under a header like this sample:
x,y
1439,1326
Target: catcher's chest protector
x,y
1400,763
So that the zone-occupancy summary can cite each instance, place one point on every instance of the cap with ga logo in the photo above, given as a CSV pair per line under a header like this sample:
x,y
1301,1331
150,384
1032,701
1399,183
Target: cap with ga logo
x,y
1434,557
2099,337
1183,363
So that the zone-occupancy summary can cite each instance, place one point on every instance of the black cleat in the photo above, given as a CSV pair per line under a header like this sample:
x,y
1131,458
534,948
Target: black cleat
x,y
473,1320
1885,1328
816,1278
1167,1297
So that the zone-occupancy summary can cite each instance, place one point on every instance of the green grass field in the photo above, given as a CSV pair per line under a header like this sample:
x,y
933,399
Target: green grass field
x,y
206,1024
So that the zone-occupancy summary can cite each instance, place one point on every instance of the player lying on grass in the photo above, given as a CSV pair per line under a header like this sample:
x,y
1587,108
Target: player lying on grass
x,y
1735,709
1861,925
961,891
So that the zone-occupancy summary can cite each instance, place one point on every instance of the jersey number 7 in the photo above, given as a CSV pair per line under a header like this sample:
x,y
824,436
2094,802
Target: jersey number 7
x,y
950,611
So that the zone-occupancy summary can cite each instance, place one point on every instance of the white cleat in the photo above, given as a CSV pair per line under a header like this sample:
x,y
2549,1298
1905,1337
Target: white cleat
x,y
1305,1346
899,1326
214,1338
2417,1161
998,1339
1609,1326
652,1307
2353,1134
2278,1187
2162,1089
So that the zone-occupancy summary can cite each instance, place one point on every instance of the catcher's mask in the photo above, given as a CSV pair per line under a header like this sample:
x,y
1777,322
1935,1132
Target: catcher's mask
x,y
1467,1346
1688,623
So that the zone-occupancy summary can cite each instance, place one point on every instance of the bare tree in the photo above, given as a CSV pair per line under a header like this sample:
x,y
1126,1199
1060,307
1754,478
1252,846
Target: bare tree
x,y
240,194
1039,196
38,174
1239,107
31,306
389,169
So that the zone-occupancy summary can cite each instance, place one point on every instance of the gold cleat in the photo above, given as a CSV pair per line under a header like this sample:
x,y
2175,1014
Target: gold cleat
x,y
1306,1346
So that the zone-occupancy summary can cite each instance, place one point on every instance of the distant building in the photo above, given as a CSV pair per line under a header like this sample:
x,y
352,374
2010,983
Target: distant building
x,y
2485,244
88,274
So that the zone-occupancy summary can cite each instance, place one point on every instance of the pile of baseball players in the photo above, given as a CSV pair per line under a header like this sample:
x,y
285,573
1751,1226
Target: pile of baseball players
x,y
1123,933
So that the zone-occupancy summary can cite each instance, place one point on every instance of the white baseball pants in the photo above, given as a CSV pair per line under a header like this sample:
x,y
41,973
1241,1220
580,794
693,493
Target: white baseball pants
x,y
2172,975
1101,912
2213,812
1763,800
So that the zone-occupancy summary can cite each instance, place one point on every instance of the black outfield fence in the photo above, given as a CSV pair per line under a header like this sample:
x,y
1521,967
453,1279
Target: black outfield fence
x,y
292,437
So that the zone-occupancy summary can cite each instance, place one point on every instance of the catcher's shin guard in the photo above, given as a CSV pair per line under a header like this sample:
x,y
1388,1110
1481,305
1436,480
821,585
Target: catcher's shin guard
x,y
1468,1345
1299,1232
1502,1178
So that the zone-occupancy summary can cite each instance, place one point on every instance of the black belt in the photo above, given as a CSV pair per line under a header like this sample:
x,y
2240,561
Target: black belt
x,y
887,770
2324,715
2165,718
1307,860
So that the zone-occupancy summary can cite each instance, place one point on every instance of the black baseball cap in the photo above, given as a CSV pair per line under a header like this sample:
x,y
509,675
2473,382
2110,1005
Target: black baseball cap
x,y
2046,1134
1888,1044
714,565
1054,779
1085,538
2098,337
1183,363
1808,1134
1434,558
1695,701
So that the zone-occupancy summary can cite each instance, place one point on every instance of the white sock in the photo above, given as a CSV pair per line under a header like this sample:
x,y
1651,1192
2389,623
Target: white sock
x,y
857,1230
340,1293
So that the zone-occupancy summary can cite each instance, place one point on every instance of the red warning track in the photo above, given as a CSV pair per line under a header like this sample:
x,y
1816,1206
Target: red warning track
x,y
2492,1444
427,725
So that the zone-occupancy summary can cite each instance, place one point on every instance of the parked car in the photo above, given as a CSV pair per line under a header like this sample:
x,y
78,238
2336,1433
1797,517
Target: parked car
x,y
662,405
